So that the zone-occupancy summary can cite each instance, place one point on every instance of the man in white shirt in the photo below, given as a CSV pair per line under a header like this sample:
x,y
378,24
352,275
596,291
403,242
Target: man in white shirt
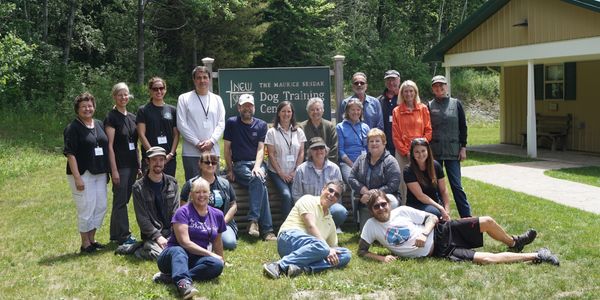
x,y
408,232
200,120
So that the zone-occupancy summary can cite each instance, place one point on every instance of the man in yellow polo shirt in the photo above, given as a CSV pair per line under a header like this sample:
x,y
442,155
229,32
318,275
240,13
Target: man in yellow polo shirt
x,y
307,242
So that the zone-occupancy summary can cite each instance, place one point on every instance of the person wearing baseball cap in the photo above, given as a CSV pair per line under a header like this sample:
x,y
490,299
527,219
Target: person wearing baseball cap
x,y
449,138
388,101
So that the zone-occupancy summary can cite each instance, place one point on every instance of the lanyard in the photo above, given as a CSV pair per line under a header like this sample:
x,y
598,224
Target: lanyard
x,y
207,227
289,144
92,130
126,124
360,137
207,104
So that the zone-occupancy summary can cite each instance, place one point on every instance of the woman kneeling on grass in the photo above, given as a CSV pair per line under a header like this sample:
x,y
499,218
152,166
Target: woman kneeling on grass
x,y
195,249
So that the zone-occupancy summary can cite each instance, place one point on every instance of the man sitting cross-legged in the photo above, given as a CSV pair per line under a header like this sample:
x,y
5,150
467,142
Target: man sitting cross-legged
x,y
307,241
408,232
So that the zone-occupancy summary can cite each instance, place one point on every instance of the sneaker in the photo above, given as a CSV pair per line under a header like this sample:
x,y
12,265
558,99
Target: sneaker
x,y
338,230
253,229
270,237
294,270
186,289
522,240
544,255
161,277
272,270
130,240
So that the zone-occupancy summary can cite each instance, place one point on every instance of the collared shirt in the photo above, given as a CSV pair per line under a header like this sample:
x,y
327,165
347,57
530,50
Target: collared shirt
x,y
308,182
324,222
288,145
372,113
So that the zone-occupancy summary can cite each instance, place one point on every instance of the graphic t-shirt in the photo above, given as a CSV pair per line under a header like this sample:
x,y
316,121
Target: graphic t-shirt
x,y
203,230
399,233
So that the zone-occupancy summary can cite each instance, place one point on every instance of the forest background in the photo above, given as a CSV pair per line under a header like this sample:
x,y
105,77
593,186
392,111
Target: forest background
x,y
50,51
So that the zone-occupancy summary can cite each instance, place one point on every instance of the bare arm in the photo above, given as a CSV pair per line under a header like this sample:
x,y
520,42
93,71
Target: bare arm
x,y
260,155
430,223
444,194
110,133
171,154
183,238
231,212
416,190
363,251
309,221
228,161
141,129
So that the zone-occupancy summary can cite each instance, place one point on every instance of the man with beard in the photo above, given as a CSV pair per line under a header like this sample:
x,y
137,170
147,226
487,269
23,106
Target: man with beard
x,y
411,233
155,200
244,139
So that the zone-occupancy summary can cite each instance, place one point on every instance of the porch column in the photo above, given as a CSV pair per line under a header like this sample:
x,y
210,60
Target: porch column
x,y
448,69
338,77
531,130
208,63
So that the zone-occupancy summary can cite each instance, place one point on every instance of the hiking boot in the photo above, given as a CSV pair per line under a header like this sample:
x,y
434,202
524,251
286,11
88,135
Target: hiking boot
x,y
522,240
272,270
161,277
270,237
294,270
186,289
544,255
253,229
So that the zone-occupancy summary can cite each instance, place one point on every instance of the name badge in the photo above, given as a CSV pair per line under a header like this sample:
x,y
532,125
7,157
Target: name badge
x,y
98,151
254,133
205,124
290,158
390,118
363,152
131,146
209,247
162,140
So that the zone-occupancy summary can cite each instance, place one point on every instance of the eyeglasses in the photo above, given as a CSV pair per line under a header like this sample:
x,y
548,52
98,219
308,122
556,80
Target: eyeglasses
x,y
359,83
380,205
210,162
156,89
335,193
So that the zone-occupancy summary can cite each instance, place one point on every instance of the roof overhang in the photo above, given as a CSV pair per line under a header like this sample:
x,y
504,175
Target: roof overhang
x,y
553,52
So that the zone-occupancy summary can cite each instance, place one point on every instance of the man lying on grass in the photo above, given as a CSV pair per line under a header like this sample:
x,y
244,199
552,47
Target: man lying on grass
x,y
408,232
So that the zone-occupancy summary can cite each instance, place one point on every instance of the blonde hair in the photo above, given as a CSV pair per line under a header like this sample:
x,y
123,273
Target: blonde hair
x,y
376,132
119,87
409,83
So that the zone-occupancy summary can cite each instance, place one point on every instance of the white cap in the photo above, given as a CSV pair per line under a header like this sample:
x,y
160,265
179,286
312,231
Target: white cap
x,y
246,98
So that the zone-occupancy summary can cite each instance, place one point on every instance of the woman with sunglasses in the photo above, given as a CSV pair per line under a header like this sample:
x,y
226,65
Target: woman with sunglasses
x,y
124,162
222,196
285,144
157,124
424,179
410,120
195,249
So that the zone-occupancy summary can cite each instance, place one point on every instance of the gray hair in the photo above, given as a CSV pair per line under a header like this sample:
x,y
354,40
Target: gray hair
x,y
340,184
352,101
201,69
312,101
359,74
119,87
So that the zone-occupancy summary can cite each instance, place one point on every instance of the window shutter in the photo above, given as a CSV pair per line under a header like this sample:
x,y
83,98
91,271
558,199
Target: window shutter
x,y
570,81
538,79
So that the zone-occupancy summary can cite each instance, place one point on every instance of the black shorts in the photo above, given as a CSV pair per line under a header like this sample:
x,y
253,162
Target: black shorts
x,y
456,239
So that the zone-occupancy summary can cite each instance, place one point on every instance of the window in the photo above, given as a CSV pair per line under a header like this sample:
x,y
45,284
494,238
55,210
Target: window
x,y
555,81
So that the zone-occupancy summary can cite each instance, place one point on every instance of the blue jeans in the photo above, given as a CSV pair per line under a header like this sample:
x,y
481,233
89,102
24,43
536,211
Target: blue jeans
x,y
298,248
182,265
460,198
339,214
285,189
259,197
425,207
229,239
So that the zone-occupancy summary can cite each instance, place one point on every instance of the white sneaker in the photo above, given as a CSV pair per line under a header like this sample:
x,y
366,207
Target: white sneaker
x,y
253,229
338,230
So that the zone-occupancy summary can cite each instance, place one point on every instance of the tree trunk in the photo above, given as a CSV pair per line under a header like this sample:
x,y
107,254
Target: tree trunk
x,y
69,39
140,44
194,48
45,22
28,19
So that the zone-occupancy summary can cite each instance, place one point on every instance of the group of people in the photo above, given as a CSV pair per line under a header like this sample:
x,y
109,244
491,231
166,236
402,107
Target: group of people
x,y
390,150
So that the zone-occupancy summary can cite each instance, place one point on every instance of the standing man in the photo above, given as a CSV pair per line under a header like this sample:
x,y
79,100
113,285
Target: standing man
x,y
316,126
245,165
155,200
449,139
200,120
307,241
372,114
389,100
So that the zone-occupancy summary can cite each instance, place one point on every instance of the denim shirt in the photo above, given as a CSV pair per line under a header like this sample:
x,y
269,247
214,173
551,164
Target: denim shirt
x,y
352,139
372,112
308,182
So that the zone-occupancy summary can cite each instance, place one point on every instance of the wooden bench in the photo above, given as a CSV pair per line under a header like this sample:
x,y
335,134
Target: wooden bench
x,y
243,196
554,129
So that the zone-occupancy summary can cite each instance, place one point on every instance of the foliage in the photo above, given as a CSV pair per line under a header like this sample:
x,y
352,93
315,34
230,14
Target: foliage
x,y
585,175
14,55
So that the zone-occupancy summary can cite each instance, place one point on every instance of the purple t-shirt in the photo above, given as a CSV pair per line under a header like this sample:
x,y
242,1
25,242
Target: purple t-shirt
x,y
202,230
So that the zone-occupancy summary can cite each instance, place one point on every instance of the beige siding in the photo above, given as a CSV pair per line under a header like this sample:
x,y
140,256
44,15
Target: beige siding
x,y
585,109
549,21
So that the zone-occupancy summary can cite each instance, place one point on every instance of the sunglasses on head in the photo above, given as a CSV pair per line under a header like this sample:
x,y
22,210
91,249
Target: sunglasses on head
x,y
380,205
156,89
335,193
359,83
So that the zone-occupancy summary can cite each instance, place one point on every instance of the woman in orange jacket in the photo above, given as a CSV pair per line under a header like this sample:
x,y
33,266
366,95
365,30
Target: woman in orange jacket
x,y
410,120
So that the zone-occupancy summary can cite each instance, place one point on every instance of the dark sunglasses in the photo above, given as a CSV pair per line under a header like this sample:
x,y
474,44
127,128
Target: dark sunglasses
x,y
381,205
156,89
335,193
359,83
210,162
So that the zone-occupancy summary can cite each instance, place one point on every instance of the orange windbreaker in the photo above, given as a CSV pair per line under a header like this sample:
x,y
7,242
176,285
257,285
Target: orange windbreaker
x,y
408,125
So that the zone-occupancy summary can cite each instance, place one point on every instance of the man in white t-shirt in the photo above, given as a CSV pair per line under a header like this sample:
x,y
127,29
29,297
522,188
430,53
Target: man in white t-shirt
x,y
408,232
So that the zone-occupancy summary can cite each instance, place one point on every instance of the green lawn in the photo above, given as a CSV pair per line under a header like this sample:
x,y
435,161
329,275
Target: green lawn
x,y
39,259
586,175
484,134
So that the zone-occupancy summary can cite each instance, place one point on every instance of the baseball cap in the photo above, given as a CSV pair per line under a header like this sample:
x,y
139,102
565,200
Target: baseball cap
x,y
246,98
317,142
438,78
156,151
391,73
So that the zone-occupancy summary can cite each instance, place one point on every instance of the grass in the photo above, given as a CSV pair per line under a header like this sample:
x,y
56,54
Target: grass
x,y
585,175
39,260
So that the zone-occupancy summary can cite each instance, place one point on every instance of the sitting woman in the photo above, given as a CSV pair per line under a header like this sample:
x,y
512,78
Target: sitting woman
x,y
352,135
222,196
195,249
424,179
377,169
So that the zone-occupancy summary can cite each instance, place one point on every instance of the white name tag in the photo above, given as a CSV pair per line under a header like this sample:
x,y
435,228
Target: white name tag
x,y
98,151
391,118
162,140
205,124
363,152
209,248
131,146
290,158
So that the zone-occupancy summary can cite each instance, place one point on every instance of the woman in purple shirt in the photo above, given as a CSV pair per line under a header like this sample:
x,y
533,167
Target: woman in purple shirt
x,y
195,249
